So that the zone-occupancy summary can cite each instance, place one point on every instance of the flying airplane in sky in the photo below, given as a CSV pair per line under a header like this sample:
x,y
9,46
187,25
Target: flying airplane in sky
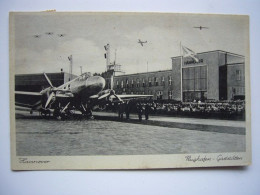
x,y
61,35
36,36
201,27
81,93
141,42
49,33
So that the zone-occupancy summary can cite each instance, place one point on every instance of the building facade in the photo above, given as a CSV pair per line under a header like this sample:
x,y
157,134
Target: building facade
x,y
159,84
216,75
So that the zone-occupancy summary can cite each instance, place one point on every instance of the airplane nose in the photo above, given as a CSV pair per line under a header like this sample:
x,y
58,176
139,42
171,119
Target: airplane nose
x,y
95,84
101,82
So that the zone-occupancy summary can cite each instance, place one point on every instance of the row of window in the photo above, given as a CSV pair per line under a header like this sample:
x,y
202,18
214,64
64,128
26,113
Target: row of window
x,y
141,82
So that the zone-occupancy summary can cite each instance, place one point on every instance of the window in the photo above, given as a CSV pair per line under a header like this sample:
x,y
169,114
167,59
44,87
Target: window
x,y
163,82
137,83
143,83
169,95
156,81
238,75
159,95
194,82
150,82
127,83
132,83
117,84
122,84
170,80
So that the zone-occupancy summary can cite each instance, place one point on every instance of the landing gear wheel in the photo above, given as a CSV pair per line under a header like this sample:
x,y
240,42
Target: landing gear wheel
x,y
46,114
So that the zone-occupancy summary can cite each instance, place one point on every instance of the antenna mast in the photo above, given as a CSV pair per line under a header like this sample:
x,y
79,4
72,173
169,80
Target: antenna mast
x,y
70,69
107,55
115,56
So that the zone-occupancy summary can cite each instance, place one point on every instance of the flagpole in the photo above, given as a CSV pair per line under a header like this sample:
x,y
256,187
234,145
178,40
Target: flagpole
x,y
181,67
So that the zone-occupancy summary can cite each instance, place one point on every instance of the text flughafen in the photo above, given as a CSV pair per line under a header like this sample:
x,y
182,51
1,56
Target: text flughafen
x,y
193,62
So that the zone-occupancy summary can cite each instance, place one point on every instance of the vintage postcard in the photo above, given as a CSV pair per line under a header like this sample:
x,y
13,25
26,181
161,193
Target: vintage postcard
x,y
100,90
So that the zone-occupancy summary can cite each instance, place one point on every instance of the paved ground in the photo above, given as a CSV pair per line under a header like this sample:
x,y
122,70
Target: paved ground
x,y
218,122
108,136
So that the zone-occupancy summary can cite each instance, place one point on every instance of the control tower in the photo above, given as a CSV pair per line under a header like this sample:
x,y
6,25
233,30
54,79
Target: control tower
x,y
112,69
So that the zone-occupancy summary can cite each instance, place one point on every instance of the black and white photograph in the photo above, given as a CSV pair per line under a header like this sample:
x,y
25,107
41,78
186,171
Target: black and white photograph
x,y
114,90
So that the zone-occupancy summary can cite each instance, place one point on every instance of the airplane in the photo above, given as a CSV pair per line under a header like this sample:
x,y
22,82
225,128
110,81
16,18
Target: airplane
x,y
141,42
61,35
36,36
82,94
201,27
49,33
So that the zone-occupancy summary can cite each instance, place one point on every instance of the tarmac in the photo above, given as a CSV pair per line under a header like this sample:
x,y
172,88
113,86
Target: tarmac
x,y
211,125
108,135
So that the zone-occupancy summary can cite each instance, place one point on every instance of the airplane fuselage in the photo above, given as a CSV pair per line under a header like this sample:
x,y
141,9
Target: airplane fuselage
x,y
87,87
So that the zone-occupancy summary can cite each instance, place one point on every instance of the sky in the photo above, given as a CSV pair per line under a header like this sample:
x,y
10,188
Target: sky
x,y
85,35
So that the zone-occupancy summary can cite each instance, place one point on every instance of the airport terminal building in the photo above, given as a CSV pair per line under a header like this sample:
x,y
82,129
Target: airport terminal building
x,y
218,75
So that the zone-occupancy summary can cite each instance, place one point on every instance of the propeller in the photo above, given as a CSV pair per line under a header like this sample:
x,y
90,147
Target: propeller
x,y
108,93
52,90
49,99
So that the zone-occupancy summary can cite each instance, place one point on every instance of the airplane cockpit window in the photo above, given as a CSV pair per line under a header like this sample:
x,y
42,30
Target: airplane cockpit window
x,y
84,77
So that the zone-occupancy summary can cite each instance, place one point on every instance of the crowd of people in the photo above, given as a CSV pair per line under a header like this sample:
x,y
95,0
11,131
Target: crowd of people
x,y
213,109
217,109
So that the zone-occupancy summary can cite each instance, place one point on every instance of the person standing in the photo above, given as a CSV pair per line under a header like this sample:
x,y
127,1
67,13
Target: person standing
x,y
127,109
147,111
139,109
121,110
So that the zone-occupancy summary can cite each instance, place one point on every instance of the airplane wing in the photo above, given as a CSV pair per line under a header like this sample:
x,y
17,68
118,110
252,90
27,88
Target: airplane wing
x,y
112,95
27,99
128,97
29,93
132,96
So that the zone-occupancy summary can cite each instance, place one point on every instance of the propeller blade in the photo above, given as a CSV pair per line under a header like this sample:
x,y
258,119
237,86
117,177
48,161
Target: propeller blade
x,y
65,107
118,98
47,78
103,96
49,100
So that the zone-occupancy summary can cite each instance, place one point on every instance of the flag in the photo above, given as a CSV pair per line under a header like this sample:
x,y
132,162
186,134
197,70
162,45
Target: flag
x,y
189,53
70,57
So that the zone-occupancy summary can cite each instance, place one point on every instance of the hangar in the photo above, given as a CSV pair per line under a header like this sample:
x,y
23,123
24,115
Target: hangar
x,y
37,82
